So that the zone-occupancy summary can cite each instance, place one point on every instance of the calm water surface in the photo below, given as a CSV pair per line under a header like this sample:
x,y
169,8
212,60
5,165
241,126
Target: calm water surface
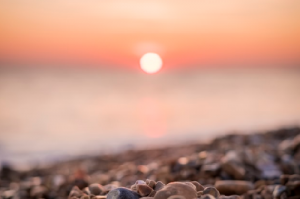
x,y
51,113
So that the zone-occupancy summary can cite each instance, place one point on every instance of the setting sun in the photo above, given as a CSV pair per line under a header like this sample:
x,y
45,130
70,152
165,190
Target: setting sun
x,y
151,63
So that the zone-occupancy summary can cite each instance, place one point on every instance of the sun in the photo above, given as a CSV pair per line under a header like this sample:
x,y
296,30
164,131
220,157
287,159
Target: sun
x,y
151,63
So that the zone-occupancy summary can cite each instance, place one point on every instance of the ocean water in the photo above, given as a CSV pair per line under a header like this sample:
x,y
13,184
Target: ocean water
x,y
48,114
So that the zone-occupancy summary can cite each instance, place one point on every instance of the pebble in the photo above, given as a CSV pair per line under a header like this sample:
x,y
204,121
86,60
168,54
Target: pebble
x,y
199,193
230,197
75,192
278,191
211,169
84,196
159,185
38,191
176,188
233,167
231,187
207,196
212,191
152,194
150,183
176,197
198,186
109,187
144,190
122,193
96,189
191,185
140,182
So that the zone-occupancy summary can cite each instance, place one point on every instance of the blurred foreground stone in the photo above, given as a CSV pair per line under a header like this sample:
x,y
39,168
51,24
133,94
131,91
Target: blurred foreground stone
x,y
256,166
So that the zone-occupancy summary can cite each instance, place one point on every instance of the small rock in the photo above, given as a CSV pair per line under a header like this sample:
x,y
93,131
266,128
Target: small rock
x,y
152,194
191,185
96,189
230,197
159,185
259,183
199,193
8,194
38,191
231,164
212,191
294,187
133,187
267,166
230,187
122,193
199,187
278,191
140,182
109,187
296,143
75,192
85,197
143,189
284,179
176,188
176,197
286,145
150,183
211,169
294,177
58,180
86,191
267,193
207,196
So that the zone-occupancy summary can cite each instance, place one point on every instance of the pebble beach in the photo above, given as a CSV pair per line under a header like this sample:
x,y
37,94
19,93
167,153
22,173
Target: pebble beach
x,y
253,166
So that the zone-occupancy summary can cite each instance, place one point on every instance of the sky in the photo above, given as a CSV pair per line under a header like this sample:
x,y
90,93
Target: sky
x,y
200,32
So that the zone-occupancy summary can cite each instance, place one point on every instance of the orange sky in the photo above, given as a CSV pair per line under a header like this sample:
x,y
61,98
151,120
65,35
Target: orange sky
x,y
119,32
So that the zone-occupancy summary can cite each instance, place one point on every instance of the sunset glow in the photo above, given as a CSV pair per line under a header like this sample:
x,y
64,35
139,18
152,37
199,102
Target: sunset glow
x,y
198,33
151,63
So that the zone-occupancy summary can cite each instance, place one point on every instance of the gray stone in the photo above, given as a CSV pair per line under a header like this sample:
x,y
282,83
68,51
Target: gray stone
x,y
122,193
232,165
211,169
159,185
278,191
96,189
140,182
109,187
